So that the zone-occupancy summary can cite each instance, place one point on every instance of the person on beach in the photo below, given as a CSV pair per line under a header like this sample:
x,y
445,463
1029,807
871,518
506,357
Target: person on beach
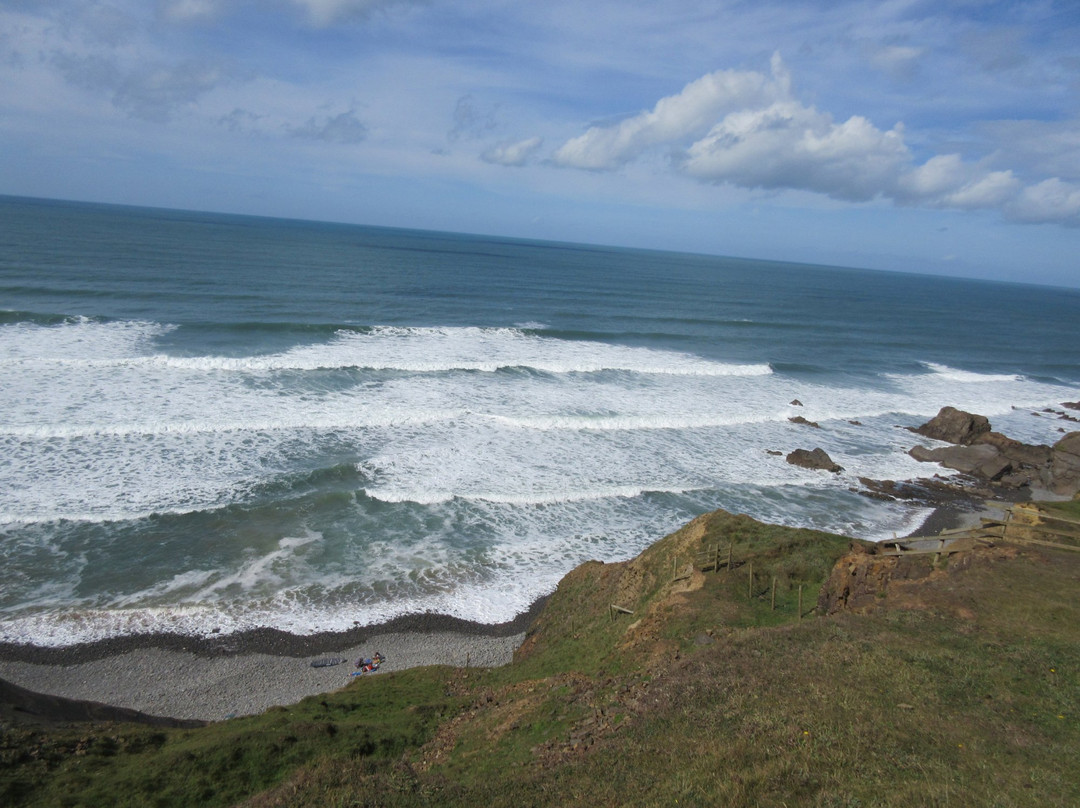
x,y
366,664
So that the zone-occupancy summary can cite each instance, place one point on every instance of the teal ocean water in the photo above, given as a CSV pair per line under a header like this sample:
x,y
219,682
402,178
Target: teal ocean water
x,y
213,423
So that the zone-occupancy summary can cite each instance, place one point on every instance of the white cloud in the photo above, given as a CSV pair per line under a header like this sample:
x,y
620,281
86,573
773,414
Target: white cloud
x,y
689,113
986,191
787,145
947,181
1050,201
513,154
748,130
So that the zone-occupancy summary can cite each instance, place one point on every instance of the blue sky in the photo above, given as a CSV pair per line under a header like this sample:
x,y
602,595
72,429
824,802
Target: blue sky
x,y
939,137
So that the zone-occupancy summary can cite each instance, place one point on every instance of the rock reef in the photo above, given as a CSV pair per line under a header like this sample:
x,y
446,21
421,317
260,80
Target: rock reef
x,y
813,459
991,457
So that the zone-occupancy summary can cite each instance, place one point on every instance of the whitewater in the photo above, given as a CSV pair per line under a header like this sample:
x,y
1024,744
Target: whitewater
x,y
213,423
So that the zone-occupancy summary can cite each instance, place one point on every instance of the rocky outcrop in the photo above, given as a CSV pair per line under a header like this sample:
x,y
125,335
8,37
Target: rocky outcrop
x,y
965,493
995,458
981,461
1065,465
817,459
798,419
865,580
954,426
860,579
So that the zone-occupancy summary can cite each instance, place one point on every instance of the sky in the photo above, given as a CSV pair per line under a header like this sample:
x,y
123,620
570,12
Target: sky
x,y
939,137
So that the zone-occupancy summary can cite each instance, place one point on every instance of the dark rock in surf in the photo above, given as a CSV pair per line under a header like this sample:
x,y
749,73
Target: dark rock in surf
x,y
817,459
798,419
981,461
954,426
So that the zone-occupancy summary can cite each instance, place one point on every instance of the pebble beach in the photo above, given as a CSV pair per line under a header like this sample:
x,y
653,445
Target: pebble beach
x,y
187,685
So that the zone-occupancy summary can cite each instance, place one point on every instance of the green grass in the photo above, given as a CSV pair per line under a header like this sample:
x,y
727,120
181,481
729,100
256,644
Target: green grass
x,y
369,721
1069,509
961,689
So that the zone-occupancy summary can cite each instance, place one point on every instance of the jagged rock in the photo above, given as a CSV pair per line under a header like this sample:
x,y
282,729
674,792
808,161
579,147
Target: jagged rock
x,y
933,492
954,426
813,459
1065,465
982,460
798,419
796,403
859,581
773,452
1010,463
1024,454
1072,405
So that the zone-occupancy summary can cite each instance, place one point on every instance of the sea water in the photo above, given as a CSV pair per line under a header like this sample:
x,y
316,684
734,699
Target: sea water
x,y
210,423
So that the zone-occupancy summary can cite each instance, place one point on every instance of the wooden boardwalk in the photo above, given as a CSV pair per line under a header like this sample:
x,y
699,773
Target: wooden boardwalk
x,y
1019,524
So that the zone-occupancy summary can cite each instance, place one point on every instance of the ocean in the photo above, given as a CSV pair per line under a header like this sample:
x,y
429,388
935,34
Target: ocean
x,y
210,423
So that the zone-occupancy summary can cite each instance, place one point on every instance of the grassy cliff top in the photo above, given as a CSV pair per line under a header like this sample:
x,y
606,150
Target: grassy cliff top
x,y
955,683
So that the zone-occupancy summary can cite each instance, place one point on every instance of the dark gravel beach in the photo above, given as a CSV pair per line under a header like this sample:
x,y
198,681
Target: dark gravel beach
x,y
220,677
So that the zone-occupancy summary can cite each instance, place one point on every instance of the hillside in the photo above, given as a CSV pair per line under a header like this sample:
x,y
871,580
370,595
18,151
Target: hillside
x,y
900,683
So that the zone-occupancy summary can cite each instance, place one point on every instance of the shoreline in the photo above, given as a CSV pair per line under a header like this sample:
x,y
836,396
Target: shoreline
x,y
269,641
944,517
216,678
202,678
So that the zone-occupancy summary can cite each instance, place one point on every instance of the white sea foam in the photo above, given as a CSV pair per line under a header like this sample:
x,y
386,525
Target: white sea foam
x,y
966,376
415,350
79,340
488,485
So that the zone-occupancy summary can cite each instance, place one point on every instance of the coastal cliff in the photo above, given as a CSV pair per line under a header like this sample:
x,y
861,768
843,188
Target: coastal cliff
x,y
694,672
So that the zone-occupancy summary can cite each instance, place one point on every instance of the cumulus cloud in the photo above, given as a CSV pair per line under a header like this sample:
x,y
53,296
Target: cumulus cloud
x,y
746,129
686,114
787,145
343,128
513,154
1051,200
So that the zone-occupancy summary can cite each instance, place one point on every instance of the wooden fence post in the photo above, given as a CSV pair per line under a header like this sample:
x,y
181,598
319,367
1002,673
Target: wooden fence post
x,y
800,601
750,583
773,603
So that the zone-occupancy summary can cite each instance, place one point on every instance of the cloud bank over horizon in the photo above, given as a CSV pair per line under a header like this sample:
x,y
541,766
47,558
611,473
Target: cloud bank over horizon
x,y
879,134
749,130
